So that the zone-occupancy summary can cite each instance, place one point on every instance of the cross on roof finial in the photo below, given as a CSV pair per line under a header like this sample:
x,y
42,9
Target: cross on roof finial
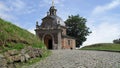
x,y
52,2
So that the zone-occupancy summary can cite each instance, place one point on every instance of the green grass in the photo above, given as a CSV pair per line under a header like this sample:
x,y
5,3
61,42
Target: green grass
x,y
14,37
9,31
103,46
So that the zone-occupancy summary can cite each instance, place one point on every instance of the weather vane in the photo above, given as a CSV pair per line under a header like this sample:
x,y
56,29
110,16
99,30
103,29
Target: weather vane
x,y
52,2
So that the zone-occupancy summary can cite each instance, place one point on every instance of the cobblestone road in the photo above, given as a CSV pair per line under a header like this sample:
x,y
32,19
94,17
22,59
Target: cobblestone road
x,y
79,59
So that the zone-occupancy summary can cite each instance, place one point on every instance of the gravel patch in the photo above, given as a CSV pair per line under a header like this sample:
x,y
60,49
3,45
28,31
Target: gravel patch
x,y
79,59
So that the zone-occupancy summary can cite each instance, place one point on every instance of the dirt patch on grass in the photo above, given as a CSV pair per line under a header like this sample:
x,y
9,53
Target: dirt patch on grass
x,y
17,41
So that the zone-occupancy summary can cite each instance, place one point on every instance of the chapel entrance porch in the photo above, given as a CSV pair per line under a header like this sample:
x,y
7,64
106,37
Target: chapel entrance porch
x,y
48,41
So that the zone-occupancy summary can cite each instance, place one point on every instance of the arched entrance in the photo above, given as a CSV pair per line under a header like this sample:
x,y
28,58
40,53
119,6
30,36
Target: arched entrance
x,y
48,41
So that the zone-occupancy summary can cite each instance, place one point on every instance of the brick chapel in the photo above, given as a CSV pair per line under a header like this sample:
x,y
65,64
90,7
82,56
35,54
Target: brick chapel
x,y
52,32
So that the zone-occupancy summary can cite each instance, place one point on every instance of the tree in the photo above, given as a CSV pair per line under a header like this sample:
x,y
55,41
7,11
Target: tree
x,y
76,27
116,41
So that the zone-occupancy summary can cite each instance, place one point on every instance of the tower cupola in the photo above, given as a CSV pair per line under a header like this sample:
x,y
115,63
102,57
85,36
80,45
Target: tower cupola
x,y
52,10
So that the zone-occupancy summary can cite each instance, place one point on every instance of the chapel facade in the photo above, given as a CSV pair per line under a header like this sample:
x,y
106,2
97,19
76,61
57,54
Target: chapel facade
x,y
52,32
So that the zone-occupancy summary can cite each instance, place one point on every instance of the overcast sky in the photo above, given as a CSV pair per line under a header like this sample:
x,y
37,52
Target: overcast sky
x,y
103,16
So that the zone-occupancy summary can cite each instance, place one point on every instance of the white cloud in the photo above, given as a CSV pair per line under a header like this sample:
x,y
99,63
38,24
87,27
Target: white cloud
x,y
6,16
56,2
30,11
105,27
20,7
32,31
109,6
103,33
9,9
4,9
17,4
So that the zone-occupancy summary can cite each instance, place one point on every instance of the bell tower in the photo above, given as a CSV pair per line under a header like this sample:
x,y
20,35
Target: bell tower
x,y
52,9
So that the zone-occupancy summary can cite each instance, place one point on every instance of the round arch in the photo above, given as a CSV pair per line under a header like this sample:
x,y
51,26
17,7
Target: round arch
x,y
48,41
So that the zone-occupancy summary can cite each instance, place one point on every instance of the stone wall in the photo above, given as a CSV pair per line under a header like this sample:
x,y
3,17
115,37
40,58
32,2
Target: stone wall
x,y
10,58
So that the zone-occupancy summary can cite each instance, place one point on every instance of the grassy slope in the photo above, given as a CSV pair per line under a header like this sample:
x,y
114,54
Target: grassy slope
x,y
13,37
103,46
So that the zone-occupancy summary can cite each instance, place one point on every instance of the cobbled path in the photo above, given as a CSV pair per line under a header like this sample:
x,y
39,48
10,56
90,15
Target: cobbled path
x,y
79,59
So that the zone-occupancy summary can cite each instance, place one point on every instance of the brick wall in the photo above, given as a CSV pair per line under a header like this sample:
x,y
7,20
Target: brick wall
x,y
68,43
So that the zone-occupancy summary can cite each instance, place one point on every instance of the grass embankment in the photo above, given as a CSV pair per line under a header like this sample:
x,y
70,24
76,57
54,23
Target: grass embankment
x,y
103,47
14,37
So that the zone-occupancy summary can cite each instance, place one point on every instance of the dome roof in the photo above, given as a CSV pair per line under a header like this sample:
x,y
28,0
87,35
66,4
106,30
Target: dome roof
x,y
52,20
55,20
58,20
